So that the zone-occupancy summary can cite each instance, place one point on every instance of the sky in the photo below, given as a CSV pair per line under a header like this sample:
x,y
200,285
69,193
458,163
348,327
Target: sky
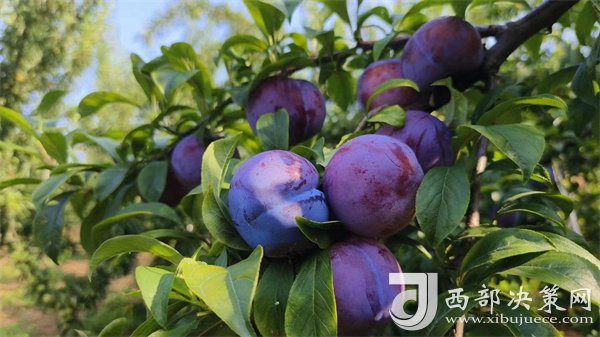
x,y
130,18
127,20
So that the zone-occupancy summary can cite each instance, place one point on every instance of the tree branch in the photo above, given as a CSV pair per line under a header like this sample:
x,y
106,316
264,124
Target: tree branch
x,y
509,37
519,31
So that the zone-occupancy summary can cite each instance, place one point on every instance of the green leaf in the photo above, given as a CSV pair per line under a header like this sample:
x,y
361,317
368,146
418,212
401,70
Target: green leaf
x,y
442,321
271,298
248,42
311,308
322,233
539,328
115,328
30,150
502,244
245,279
48,224
268,18
391,84
536,208
182,328
393,115
583,81
380,45
95,101
108,181
184,59
379,11
228,292
152,179
477,3
18,181
557,80
460,7
521,143
442,201
16,118
55,145
341,87
155,285
562,201
145,82
170,233
338,7
150,209
50,99
48,187
150,325
585,22
132,243
490,98
273,130
564,244
216,218
533,46
107,144
566,270
215,162
283,62
509,106
169,80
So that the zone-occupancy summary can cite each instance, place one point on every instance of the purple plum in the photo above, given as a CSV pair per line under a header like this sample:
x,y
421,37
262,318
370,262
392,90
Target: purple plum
x,y
267,193
375,75
440,48
371,184
186,161
427,136
303,101
362,291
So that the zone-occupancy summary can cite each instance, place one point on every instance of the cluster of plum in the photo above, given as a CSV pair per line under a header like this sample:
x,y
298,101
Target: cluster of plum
x,y
370,183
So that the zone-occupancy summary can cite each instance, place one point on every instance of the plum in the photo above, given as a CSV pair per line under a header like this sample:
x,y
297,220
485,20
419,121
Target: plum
x,y
440,48
375,75
371,184
186,161
362,292
427,136
303,101
267,193
174,191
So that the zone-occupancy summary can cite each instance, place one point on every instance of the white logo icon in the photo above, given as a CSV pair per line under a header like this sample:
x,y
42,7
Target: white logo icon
x,y
425,295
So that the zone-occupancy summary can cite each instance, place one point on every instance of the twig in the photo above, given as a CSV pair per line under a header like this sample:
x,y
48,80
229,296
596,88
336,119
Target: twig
x,y
474,216
517,32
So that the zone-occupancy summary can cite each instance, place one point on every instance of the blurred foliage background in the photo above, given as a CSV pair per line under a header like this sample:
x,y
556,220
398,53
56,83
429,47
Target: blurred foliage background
x,y
69,48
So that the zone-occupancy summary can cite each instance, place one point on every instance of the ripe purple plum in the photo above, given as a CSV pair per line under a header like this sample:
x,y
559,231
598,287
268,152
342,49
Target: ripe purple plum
x,y
186,161
375,75
371,184
303,101
427,136
440,48
362,292
267,193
